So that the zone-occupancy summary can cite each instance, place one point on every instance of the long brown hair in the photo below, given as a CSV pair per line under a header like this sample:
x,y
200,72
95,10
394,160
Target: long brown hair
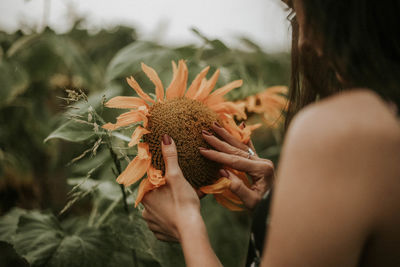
x,y
360,43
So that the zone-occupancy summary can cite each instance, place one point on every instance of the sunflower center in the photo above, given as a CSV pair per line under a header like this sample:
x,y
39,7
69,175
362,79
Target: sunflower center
x,y
183,119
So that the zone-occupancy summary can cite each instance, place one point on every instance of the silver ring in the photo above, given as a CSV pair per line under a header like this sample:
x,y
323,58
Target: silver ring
x,y
250,152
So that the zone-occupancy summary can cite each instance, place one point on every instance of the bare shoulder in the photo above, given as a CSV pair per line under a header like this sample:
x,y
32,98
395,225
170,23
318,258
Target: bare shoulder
x,y
353,136
356,117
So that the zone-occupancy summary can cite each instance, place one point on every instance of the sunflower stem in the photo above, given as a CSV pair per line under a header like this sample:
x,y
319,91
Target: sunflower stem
x,y
117,164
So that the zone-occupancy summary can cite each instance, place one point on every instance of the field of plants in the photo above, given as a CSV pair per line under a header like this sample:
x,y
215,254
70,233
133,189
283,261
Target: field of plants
x,y
60,204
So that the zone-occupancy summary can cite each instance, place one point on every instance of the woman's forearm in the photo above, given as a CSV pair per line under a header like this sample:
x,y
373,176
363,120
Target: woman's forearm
x,y
195,243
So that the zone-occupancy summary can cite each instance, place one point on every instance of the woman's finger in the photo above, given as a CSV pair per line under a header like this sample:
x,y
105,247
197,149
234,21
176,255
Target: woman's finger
x,y
223,146
249,197
226,136
236,162
170,156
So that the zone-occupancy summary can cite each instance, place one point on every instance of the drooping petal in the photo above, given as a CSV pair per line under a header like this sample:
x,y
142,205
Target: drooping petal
x,y
230,108
153,76
154,180
137,167
155,177
205,91
218,187
194,87
144,187
126,119
226,203
230,125
143,151
133,83
126,102
217,95
177,86
232,197
137,135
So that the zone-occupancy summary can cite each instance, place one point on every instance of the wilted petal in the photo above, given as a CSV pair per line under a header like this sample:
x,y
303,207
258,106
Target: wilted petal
x,y
217,95
205,91
226,203
126,119
218,187
134,171
177,86
137,135
133,83
126,102
230,108
153,76
194,87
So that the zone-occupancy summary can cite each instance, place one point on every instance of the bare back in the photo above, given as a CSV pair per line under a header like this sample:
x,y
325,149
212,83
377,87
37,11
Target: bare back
x,y
337,198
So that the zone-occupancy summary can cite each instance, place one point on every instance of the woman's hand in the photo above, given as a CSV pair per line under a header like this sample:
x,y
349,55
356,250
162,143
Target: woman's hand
x,y
232,153
171,207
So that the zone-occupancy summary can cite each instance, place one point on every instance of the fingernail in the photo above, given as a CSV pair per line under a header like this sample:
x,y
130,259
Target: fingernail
x,y
206,132
224,173
166,139
217,124
202,148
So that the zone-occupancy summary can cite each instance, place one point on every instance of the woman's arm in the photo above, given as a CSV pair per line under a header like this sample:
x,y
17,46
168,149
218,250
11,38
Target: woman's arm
x,y
172,212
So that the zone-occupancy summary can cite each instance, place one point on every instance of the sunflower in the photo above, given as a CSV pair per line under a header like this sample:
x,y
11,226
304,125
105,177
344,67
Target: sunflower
x,y
182,114
270,103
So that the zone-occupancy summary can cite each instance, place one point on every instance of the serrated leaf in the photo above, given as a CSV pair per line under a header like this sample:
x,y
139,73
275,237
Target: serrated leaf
x,y
41,240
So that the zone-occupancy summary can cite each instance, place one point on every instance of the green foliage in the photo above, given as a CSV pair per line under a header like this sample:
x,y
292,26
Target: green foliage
x,y
74,177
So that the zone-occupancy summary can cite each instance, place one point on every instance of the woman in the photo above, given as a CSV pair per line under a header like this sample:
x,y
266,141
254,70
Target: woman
x,y
336,197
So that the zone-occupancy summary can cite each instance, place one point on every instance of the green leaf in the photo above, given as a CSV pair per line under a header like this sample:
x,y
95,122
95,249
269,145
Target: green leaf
x,y
42,241
132,232
128,60
9,223
13,81
72,131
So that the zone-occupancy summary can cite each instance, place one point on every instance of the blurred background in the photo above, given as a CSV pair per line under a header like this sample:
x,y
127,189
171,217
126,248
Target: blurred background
x,y
59,61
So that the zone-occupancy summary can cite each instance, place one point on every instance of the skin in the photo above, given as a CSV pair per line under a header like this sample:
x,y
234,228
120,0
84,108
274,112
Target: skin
x,y
336,200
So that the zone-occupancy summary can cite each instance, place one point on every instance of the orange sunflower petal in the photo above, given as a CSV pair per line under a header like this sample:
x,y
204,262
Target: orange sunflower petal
x,y
134,171
137,167
218,187
204,91
232,197
126,119
153,76
137,135
125,102
144,187
217,95
155,177
230,108
133,83
154,180
226,203
230,125
194,87
177,86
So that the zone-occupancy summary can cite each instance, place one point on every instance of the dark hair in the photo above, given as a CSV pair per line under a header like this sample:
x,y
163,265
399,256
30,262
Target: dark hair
x,y
360,42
